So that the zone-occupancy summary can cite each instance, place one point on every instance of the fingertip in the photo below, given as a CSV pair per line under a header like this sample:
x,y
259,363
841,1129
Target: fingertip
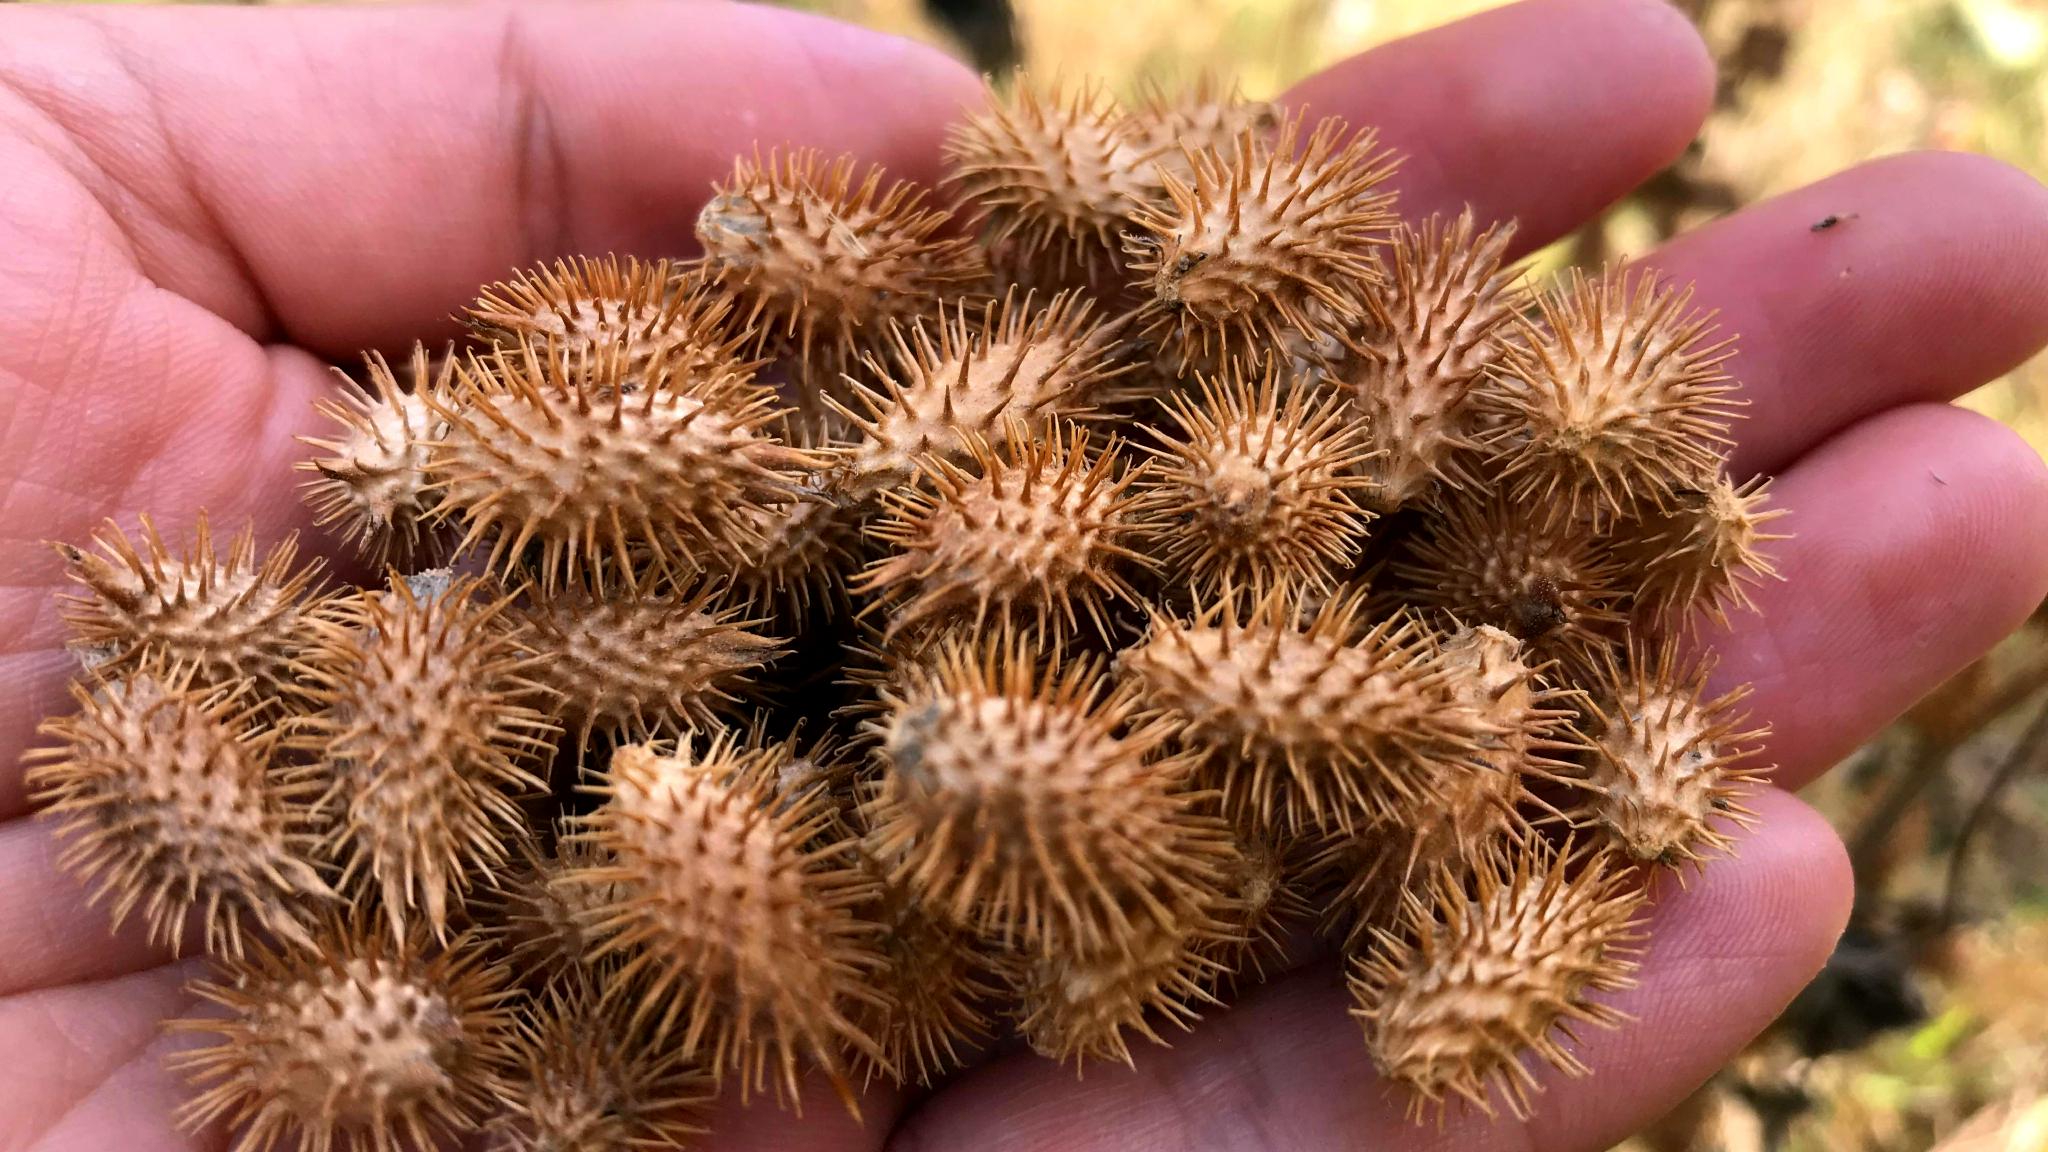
x,y
1961,474
1661,44
1940,168
1913,277
1725,955
1544,111
1783,892
2013,510
907,91
1917,539
1650,54
1985,242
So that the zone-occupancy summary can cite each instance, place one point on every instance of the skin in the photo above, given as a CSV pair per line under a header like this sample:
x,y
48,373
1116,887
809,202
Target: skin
x,y
201,205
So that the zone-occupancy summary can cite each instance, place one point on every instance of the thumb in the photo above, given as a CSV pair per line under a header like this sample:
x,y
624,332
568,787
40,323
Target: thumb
x,y
345,177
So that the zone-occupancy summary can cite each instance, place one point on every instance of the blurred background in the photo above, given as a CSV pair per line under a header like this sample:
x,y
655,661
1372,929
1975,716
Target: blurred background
x,y
1930,1027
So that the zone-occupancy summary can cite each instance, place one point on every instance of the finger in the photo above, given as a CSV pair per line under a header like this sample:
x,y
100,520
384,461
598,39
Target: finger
x,y
1287,1067
52,938
79,1037
1919,539
1498,110
134,1108
344,178
1934,281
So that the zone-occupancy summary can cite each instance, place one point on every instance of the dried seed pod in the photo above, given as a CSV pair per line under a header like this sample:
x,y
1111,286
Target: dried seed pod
x,y
1054,176
1208,115
799,556
358,1044
647,659
878,666
1248,488
648,312
816,774
1019,794
1433,327
1668,758
825,764
1490,670
1358,878
820,260
170,800
585,1079
538,917
1614,398
372,490
738,926
1366,872
1263,901
977,375
1701,557
426,730
1039,533
229,617
1266,229
1481,973
1531,570
597,463
935,982
1308,721
1474,806
1086,1003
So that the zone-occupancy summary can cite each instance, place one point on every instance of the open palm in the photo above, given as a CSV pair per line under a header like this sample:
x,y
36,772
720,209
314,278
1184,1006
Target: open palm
x,y
199,207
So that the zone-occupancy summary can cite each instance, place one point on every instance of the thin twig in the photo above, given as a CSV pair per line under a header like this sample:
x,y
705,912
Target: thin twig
x,y
2030,751
2011,691
1930,758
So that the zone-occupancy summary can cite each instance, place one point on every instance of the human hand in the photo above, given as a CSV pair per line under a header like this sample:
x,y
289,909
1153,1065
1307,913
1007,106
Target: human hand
x,y
198,207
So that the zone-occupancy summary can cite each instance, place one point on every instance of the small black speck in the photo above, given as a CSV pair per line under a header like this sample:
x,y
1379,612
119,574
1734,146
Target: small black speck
x,y
1831,220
